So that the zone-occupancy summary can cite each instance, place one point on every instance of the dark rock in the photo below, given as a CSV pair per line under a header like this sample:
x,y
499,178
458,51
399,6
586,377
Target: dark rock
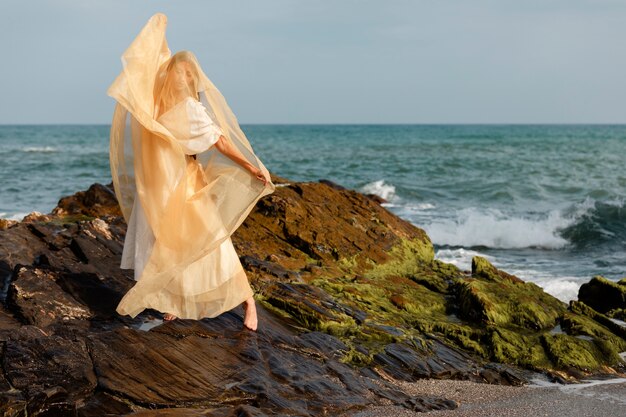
x,y
99,200
189,362
332,184
6,274
8,324
49,369
36,298
239,411
51,402
502,375
425,404
436,360
603,295
376,198
91,291
12,405
104,404
271,268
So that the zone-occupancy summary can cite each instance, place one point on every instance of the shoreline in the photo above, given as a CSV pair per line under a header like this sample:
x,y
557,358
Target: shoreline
x,y
588,399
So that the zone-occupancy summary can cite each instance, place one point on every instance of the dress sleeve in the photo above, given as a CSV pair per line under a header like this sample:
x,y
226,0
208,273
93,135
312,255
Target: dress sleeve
x,y
203,132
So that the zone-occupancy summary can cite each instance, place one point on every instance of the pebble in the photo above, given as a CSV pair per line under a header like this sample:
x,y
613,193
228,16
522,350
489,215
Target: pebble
x,y
481,400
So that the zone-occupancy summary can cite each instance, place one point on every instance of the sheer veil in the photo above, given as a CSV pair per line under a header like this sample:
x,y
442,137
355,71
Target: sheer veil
x,y
189,216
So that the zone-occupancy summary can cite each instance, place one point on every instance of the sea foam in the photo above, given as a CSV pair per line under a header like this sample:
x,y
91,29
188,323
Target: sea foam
x,y
40,149
15,216
381,189
461,258
563,288
491,228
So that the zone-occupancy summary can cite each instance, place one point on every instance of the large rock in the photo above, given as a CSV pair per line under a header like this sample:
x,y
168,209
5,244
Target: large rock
x,y
210,361
307,226
98,201
348,294
603,295
64,282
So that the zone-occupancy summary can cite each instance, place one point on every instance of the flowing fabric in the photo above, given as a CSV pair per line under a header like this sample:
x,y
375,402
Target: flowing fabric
x,y
189,206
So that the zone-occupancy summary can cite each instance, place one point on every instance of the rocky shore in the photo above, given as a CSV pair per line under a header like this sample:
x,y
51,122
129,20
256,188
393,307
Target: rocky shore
x,y
350,299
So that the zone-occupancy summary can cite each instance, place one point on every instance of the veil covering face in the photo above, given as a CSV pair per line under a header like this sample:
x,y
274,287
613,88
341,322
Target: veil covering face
x,y
192,204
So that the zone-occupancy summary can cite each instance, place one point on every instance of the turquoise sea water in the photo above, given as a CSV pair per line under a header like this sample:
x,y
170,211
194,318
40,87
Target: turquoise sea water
x,y
546,203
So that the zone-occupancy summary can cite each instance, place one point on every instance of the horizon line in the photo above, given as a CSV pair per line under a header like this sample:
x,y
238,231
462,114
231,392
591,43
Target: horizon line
x,y
366,124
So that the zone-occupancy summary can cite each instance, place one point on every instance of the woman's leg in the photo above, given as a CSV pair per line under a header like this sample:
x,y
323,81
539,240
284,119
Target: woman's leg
x,y
250,319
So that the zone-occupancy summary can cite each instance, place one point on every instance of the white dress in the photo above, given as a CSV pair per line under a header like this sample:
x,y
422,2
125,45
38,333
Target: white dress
x,y
214,269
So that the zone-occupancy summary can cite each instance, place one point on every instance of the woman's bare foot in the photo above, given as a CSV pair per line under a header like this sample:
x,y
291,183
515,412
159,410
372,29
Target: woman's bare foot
x,y
250,319
169,317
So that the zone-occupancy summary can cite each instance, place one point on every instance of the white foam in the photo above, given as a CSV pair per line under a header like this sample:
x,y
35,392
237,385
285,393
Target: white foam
x,y
16,216
588,388
417,213
381,189
494,229
620,323
44,149
539,382
563,288
461,258
409,208
615,202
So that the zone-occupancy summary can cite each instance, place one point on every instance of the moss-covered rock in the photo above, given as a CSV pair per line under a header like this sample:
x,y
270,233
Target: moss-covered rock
x,y
618,313
582,310
370,279
482,268
575,352
512,347
493,297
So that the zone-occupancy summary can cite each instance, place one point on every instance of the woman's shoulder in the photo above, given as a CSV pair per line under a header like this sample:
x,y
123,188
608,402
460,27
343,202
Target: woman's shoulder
x,y
194,104
196,110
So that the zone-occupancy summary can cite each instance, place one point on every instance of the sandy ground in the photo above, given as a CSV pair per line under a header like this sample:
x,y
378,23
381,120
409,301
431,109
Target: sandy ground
x,y
592,398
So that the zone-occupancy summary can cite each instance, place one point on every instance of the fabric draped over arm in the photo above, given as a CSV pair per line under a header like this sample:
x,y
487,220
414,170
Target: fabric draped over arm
x,y
189,218
200,133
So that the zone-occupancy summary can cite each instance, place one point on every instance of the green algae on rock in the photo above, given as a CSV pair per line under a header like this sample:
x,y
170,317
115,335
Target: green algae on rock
x,y
495,297
385,287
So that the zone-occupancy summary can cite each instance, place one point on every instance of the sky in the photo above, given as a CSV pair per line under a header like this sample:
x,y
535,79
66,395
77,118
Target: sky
x,y
331,61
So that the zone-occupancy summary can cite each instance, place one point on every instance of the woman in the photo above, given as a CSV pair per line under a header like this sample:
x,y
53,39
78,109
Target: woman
x,y
186,177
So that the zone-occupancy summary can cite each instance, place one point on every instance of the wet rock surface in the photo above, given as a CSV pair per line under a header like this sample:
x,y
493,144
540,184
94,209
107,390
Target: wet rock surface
x,y
348,296
603,295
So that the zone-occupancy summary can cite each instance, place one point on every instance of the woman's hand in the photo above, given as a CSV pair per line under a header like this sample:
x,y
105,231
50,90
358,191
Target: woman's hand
x,y
258,174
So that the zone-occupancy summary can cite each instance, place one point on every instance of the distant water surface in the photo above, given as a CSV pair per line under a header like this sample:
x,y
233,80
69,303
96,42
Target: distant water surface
x,y
543,202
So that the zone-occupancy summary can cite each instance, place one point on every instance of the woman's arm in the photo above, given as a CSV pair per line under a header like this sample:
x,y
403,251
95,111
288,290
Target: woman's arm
x,y
228,149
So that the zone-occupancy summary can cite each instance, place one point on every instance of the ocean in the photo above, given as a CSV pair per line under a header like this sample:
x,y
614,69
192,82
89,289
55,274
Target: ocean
x,y
543,202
